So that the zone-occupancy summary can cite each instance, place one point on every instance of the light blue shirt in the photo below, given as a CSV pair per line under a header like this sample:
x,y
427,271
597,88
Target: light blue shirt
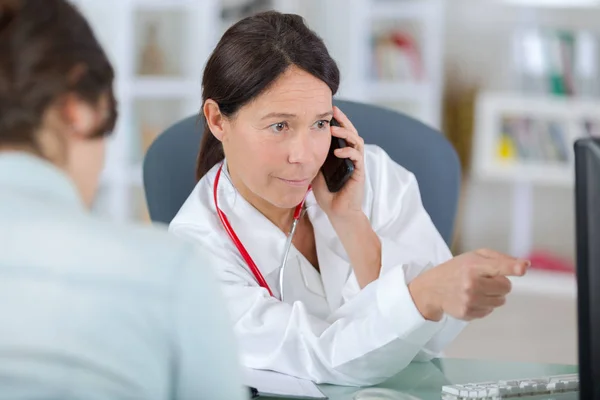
x,y
94,310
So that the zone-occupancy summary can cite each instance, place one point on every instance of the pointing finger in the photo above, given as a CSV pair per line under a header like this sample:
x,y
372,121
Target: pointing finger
x,y
505,267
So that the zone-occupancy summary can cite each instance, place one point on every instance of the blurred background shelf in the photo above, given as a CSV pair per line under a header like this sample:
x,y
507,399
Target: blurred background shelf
x,y
526,141
396,52
564,4
162,5
529,138
546,283
159,48
398,91
158,88
403,9
546,175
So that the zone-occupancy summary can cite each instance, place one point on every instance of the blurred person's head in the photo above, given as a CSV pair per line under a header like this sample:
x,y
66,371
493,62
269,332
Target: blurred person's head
x,y
267,99
56,96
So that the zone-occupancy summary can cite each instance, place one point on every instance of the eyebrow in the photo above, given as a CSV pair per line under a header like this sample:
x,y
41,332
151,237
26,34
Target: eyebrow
x,y
292,116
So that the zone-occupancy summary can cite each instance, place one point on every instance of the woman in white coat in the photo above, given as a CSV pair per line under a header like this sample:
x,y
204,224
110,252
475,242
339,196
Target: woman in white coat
x,y
369,283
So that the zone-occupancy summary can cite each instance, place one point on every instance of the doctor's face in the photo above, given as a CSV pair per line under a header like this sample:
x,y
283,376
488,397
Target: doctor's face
x,y
276,144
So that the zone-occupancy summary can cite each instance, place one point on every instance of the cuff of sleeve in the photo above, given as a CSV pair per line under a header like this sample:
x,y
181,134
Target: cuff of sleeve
x,y
393,254
398,308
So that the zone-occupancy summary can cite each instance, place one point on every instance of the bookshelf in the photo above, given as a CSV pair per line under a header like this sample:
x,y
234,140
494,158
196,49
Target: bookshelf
x,y
546,283
555,3
527,141
396,56
158,49
529,138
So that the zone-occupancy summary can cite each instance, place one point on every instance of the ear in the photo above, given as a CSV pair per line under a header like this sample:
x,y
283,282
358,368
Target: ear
x,y
214,119
80,116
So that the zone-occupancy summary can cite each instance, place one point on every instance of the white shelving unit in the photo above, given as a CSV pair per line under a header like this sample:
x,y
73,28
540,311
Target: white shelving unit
x,y
570,114
185,33
546,283
526,70
404,9
576,118
351,39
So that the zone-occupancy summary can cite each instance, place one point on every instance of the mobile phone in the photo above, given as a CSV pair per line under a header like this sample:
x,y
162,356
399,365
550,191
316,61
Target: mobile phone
x,y
336,171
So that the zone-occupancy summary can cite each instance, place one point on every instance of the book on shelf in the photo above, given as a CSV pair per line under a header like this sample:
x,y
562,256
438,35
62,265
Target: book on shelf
x,y
396,57
532,140
557,62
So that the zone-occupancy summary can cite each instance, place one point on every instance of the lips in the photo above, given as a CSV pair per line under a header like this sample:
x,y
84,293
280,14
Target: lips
x,y
295,182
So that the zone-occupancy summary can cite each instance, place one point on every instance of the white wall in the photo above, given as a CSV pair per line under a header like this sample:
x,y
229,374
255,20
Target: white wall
x,y
478,48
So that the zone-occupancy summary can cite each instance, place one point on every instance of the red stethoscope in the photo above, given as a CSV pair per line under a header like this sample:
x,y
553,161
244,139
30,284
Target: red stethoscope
x,y
238,244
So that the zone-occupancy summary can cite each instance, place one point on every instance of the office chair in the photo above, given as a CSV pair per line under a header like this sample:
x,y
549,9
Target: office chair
x,y
170,163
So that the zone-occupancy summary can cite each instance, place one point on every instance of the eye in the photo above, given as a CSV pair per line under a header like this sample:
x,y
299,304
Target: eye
x,y
322,124
279,126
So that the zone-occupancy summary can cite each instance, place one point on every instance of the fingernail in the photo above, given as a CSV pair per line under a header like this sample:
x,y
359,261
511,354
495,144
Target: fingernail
x,y
522,267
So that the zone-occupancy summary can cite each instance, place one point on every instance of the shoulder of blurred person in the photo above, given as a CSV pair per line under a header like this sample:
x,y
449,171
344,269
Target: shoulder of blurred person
x,y
88,308
86,303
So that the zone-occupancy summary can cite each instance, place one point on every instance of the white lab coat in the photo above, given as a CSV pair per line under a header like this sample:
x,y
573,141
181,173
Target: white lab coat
x,y
327,330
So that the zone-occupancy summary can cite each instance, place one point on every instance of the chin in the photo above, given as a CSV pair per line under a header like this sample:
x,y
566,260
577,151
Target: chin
x,y
290,199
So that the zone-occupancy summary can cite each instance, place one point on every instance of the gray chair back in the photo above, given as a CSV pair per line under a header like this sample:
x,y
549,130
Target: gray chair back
x,y
170,163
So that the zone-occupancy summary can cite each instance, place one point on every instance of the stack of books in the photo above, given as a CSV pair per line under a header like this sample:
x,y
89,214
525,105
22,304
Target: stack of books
x,y
557,62
533,140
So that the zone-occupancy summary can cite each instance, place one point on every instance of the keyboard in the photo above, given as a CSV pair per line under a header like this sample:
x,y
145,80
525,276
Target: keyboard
x,y
557,387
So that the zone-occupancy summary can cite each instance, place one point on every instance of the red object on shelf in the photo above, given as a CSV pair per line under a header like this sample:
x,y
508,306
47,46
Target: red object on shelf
x,y
407,43
542,260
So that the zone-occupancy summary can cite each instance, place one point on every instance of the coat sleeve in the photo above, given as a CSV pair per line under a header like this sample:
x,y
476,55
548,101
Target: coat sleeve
x,y
372,337
409,240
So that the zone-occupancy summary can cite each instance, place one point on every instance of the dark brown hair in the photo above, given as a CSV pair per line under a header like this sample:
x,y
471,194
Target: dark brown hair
x,y
250,56
47,50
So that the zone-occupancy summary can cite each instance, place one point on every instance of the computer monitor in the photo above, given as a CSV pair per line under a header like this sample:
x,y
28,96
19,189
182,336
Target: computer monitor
x,y
587,204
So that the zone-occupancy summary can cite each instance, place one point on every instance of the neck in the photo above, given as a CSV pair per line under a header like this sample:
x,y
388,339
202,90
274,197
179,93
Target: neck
x,y
281,217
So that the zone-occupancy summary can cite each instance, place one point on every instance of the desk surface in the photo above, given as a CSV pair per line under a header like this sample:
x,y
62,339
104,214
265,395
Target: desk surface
x,y
425,380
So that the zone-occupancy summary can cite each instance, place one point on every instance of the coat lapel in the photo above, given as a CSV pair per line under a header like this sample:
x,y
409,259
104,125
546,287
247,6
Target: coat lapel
x,y
333,260
261,238
265,244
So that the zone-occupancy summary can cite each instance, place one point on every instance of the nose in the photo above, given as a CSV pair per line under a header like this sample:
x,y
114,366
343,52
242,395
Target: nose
x,y
300,147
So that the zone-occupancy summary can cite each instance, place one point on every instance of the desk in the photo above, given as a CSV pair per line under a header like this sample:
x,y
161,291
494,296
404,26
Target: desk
x,y
425,380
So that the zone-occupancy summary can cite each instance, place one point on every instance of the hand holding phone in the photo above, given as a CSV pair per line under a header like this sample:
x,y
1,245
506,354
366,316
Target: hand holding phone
x,y
336,171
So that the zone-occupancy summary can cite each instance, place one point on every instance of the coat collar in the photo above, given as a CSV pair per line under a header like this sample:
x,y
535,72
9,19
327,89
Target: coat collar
x,y
265,242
